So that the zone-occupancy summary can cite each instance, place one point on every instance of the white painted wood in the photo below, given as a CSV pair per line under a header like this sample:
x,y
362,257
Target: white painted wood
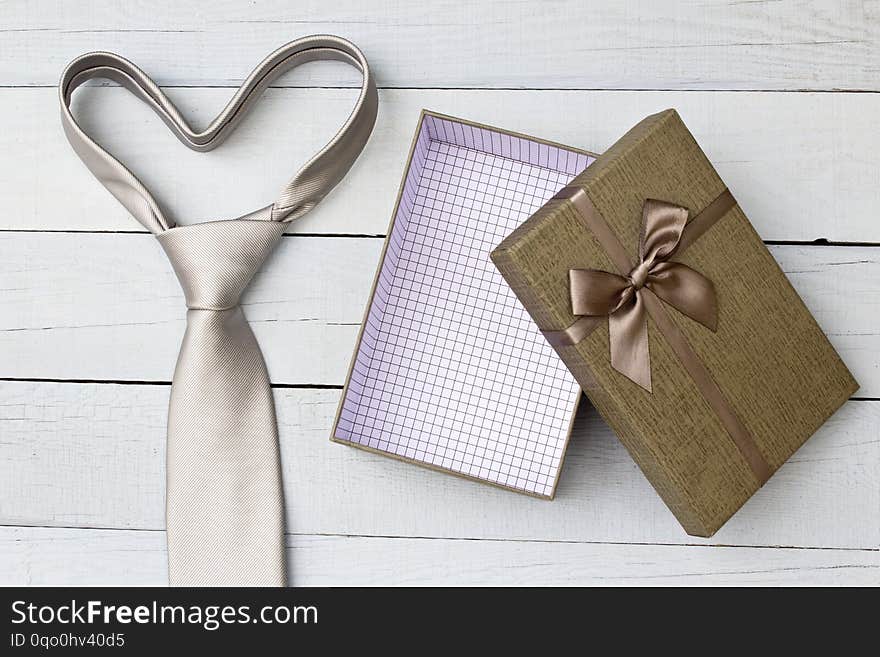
x,y
85,306
93,456
804,166
108,307
70,557
681,44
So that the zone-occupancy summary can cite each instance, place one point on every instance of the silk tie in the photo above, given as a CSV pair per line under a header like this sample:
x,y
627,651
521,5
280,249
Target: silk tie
x,y
224,502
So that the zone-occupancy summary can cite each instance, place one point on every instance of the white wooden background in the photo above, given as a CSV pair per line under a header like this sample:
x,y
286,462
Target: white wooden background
x,y
784,96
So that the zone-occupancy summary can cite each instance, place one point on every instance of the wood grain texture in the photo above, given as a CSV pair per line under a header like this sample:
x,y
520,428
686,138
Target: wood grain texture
x,y
803,166
108,307
93,306
306,313
681,44
90,455
93,557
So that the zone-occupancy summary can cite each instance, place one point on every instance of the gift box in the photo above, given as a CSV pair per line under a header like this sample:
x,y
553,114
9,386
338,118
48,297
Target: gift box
x,y
435,378
657,293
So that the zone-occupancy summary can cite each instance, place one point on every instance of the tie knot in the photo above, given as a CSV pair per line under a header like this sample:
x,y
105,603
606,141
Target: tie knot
x,y
214,261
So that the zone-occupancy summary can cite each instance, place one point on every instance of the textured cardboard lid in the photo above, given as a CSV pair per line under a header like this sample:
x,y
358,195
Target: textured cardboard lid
x,y
768,356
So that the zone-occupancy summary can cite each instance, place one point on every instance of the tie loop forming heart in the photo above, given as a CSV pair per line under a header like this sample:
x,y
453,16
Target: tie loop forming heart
x,y
302,193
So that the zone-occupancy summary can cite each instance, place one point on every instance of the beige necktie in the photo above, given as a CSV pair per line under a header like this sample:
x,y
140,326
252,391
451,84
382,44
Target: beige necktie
x,y
224,504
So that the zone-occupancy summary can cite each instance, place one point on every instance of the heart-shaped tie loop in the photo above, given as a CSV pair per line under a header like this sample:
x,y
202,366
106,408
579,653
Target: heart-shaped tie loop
x,y
302,192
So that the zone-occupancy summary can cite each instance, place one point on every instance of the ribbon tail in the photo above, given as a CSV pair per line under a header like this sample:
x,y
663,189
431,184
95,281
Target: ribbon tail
x,y
686,290
628,335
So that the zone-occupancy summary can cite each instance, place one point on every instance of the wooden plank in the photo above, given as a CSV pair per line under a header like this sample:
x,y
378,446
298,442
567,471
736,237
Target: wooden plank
x,y
71,557
91,455
108,307
119,313
802,165
685,44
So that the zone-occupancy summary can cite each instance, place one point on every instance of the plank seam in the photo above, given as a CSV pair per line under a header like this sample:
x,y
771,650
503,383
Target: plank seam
x,y
74,231
280,386
237,84
819,241
476,539
136,382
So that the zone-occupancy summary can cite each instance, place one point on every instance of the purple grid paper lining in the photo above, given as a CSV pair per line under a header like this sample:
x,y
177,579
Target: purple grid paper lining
x,y
451,371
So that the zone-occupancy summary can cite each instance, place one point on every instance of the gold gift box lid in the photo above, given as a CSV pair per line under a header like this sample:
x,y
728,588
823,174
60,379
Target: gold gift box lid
x,y
706,364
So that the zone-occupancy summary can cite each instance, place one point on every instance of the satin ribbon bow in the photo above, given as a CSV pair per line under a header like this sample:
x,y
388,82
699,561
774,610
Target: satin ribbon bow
x,y
597,293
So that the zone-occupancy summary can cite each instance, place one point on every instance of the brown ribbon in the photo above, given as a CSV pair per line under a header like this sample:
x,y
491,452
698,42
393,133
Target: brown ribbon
x,y
628,298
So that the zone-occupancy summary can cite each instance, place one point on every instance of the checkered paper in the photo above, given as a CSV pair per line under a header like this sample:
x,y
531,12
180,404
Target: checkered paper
x,y
451,371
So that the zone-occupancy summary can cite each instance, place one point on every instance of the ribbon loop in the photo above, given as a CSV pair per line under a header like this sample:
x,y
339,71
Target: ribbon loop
x,y
686,290
662,226
597,293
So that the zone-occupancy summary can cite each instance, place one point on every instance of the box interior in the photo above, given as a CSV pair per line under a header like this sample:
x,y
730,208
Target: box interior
x,y
450,371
